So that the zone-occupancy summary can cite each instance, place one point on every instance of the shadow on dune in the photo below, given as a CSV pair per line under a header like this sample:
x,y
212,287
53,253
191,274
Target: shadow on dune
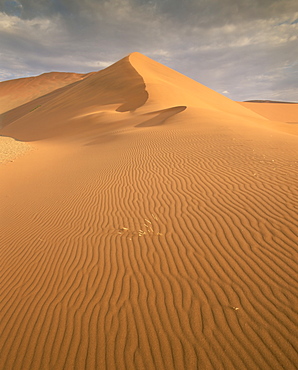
x,y
133,103
161,116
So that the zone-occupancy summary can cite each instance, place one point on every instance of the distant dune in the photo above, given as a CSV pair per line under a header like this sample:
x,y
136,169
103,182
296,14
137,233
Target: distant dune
x,y
275,111
269,101
147,222
14,93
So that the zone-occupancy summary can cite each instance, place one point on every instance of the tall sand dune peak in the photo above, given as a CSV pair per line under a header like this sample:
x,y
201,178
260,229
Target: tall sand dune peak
x,y
122,95
166,86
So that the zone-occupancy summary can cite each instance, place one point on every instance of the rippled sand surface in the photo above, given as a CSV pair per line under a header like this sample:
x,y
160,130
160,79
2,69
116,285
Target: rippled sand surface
x,y
153,226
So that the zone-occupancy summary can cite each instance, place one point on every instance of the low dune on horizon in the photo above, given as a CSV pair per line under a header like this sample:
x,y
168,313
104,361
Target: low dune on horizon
x,y
147,222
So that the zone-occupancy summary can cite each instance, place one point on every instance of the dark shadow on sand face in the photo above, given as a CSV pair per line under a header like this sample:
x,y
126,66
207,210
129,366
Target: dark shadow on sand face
x,y
132,104
161,116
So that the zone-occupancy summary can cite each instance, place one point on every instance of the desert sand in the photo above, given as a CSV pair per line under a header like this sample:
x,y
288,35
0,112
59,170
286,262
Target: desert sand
x,y
151,224
284,112
14,93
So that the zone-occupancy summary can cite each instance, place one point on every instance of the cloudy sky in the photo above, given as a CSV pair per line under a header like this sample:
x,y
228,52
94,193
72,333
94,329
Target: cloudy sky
x,y
245,49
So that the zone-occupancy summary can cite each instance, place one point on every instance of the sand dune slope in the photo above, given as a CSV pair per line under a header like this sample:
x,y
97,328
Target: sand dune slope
x,y
148,235
20,91
284,112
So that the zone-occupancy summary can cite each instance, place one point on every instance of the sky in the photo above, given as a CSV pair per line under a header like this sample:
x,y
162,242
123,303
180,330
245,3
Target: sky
x,y
244,49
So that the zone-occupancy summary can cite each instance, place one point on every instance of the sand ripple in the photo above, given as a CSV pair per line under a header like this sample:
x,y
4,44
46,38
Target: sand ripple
x,y
177,254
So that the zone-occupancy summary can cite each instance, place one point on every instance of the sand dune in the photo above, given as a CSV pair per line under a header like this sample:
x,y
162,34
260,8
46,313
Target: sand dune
x,y
154,226
134,86
20,91
284,112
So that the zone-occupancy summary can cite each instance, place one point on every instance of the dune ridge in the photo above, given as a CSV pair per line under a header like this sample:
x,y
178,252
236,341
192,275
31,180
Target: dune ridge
x,y
160,236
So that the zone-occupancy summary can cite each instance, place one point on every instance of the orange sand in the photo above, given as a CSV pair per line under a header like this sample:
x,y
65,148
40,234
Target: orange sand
x,y
20,91
284,112
154,226
11,149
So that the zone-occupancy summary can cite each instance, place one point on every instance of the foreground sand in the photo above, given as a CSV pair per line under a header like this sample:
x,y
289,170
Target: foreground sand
x,y
151,233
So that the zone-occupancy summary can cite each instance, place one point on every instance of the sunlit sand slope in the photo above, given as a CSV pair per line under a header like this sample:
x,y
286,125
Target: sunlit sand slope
x,y
284,112
157,236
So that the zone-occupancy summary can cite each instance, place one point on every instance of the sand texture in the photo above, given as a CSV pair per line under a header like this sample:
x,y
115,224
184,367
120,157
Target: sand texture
x,y
153,226
11,149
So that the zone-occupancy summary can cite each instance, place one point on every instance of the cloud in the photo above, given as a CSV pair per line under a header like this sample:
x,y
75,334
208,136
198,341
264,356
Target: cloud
x,y
246,48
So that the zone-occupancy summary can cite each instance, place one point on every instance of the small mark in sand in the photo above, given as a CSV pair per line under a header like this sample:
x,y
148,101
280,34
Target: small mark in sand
x,y
235,308
148,230
121,230
142,232
155,218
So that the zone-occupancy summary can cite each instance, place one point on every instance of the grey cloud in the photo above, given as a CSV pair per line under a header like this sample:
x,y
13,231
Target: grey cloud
x,y
244,47
201,11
